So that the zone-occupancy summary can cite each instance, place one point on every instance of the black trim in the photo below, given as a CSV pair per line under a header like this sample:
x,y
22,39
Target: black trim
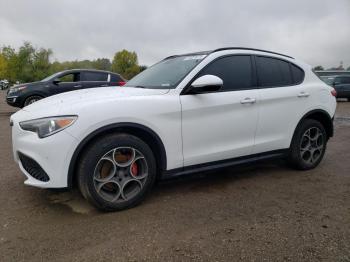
x,y
110,128
324,113
211,166
33,168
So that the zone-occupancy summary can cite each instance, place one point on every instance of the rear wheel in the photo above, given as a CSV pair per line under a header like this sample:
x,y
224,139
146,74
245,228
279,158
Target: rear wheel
x,y
116,172
32,99
308,145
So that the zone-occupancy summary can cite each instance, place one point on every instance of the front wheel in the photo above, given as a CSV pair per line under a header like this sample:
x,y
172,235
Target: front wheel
x,y
31,100
116,172
308,145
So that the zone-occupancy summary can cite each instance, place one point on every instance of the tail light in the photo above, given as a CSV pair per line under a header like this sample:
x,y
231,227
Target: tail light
x,y
334,92
121,83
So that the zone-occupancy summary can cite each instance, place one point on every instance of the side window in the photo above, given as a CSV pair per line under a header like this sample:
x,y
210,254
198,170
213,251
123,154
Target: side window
x,y
235,71
72,77
94,76
345,80
298,74
273,72
115,78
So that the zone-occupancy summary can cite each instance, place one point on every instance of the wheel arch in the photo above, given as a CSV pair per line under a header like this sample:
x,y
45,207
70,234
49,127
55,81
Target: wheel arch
x,y
323,117
146,134
32,94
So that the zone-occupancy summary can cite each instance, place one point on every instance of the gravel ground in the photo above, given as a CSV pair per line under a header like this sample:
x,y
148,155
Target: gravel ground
x,y
265,212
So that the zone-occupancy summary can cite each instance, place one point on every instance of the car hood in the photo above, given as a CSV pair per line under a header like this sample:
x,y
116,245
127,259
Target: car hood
x,y
32,84
67,102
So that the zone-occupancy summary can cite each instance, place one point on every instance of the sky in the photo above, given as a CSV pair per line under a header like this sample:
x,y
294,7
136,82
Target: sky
x,y
315,31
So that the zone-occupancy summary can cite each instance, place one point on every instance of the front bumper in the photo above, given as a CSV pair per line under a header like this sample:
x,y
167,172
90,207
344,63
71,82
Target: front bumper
x,y
52,154
14,100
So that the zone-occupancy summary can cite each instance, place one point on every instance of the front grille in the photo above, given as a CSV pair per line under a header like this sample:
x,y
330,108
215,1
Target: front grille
x,y
33,168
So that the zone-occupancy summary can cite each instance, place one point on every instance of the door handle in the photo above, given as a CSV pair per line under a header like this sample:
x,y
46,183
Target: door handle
x,y
76,86
248,100
303,94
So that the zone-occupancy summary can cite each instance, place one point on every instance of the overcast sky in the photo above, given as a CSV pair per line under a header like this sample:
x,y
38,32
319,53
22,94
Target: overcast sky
x,y
316,31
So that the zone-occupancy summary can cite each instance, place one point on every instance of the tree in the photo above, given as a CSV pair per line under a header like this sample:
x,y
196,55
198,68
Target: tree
x,y
318,68
41,64
11,59
125,63
143,67
3,67
102,64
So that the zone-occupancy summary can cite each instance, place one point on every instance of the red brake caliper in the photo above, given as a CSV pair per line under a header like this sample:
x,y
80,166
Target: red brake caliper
x,y
134,169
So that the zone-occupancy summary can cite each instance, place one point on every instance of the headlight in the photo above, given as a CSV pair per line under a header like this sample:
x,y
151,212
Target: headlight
x,y
17,89
48,126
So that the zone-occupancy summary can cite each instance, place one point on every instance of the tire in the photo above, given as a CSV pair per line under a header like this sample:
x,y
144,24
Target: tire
x,y
31,99
308,145
107,176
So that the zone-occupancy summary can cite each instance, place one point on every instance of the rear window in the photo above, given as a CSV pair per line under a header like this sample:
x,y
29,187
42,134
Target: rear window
x,y
94,76
273,72
116,78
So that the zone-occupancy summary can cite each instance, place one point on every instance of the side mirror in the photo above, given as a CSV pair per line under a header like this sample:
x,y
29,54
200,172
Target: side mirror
x,y
56,81
206,84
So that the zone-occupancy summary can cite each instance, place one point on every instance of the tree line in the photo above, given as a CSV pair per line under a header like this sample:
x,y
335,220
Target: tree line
x,y
29,64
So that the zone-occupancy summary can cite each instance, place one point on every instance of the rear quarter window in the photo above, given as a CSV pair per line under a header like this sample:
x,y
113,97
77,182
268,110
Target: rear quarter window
x,y
298,74
116,78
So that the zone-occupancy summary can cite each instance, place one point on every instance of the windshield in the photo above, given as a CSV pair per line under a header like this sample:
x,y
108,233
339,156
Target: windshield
x,y
166,74
50,77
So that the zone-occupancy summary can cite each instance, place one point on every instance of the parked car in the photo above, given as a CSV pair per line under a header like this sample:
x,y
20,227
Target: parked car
x,y
4,84
188,113
341,84
69,80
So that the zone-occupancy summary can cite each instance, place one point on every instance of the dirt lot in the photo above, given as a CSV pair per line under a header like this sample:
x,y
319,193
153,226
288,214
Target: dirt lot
x,y
264,212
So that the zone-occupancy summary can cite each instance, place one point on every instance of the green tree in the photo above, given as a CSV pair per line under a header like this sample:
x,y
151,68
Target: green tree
x,y
41,63
126,64
3,67
11,59
143,67
102,64
318,68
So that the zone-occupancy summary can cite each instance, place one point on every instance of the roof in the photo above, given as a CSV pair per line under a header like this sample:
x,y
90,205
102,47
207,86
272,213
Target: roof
x,y
228,48
89,70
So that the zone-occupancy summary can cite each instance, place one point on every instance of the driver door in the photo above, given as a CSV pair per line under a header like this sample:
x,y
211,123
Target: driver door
x,y
68,82
221,125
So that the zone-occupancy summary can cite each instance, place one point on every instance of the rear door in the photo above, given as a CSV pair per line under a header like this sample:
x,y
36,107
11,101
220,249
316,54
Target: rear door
x,y
221,125
283,100
92,79
68,82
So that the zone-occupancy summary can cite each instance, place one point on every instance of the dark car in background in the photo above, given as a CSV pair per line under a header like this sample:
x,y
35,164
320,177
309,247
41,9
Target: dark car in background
x,y
341,84
65,81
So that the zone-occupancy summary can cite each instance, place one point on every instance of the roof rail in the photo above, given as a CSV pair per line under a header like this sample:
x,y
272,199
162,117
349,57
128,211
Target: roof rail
x,y
252,49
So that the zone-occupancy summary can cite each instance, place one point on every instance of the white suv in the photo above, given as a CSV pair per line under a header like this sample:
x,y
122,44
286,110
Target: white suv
x,y
187,113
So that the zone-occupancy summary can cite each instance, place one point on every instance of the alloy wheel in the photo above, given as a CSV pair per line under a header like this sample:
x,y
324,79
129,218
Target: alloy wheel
x,y
120,174
311,145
